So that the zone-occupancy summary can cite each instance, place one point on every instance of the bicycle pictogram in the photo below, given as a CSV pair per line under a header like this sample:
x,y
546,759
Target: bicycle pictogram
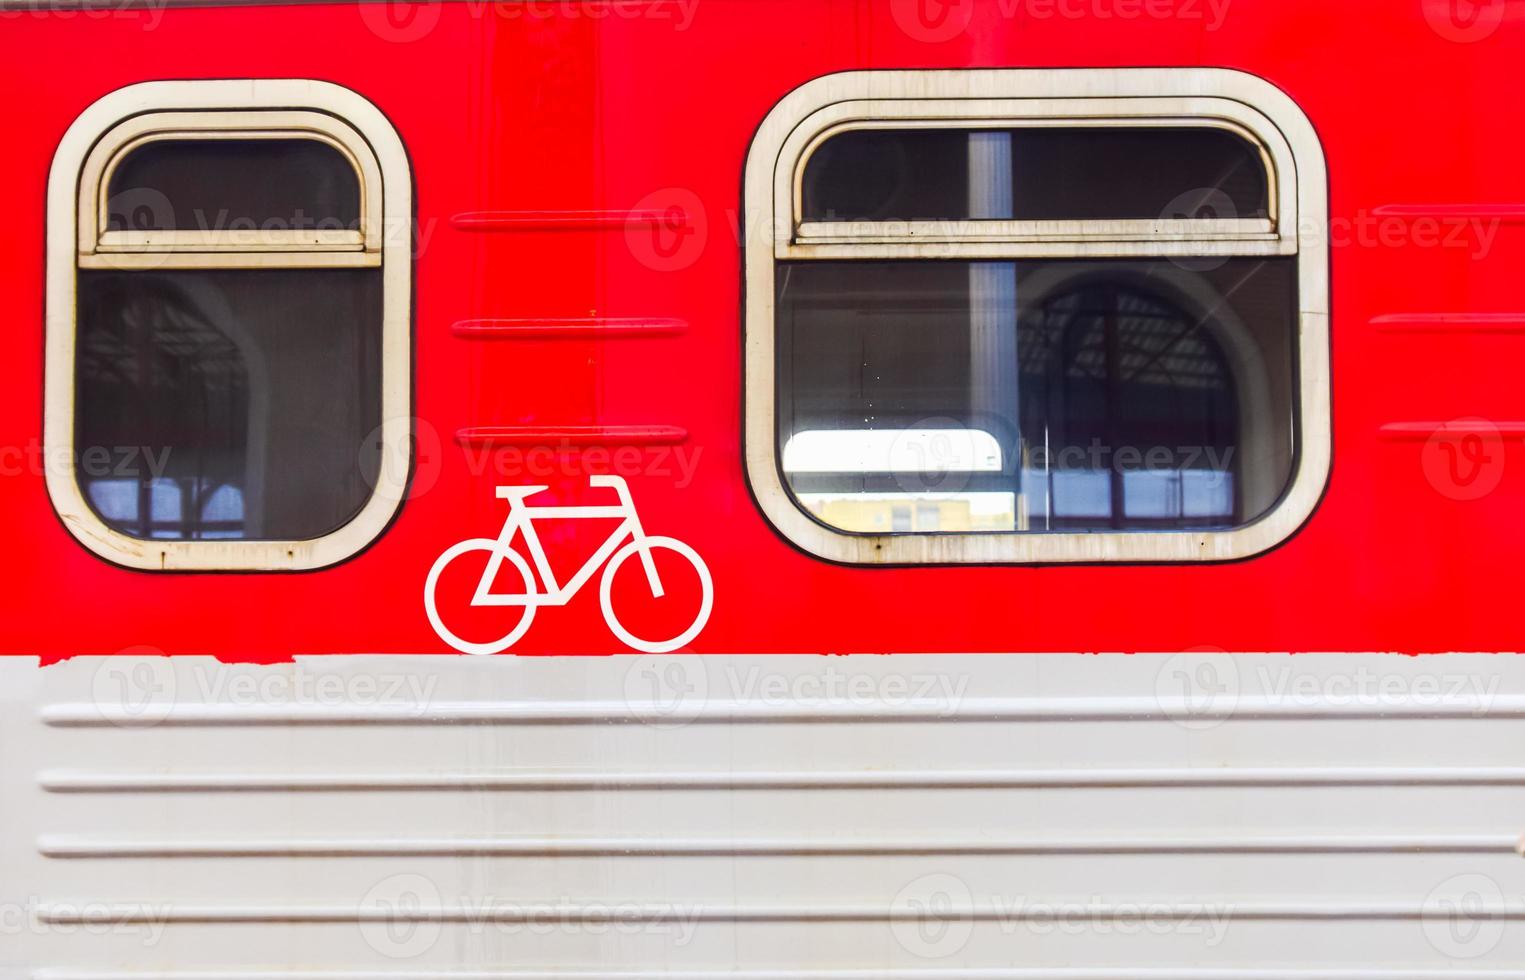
x,y
627,539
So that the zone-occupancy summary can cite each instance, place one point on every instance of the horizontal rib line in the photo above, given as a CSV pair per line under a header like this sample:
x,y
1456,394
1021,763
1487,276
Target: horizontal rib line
x,y
56,913
567,328
674,218
64,846
81,781
570,435
1502,212
813,973
726,712
1454,428
1450,322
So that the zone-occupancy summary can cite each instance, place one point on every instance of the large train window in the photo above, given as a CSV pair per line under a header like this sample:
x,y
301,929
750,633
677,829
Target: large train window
x,y
1037,316
227,378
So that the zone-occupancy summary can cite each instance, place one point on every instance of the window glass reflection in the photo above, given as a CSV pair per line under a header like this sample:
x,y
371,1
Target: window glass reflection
x,y
234,185
228,404
1034,174
1036,395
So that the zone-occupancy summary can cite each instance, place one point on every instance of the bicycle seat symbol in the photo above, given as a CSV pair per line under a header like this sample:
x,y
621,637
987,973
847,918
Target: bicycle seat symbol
x,y
521,519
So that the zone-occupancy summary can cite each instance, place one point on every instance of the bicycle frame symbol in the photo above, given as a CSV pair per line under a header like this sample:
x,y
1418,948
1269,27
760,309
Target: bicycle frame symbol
x,y
521,519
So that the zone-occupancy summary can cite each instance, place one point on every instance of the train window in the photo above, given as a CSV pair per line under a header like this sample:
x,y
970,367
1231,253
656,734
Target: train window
x,y
227,377
294,183
1036,394
1037,316
1035,173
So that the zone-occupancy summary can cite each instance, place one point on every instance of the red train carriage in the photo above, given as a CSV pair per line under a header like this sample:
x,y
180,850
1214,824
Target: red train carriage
x,y
684,341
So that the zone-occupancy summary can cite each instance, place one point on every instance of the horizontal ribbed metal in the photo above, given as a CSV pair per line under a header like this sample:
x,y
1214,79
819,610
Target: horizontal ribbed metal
x,y
83,781
80,846
726,712
1155,909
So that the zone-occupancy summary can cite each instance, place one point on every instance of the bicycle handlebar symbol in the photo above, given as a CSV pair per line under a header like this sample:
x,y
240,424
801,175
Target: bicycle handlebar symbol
x,y
521,518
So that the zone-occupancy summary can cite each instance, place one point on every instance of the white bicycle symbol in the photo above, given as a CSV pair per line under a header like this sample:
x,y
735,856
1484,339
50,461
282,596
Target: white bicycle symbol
x,y
522,517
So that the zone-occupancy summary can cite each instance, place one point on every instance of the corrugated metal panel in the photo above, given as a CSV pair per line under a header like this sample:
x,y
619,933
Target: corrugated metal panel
x,y
1074,817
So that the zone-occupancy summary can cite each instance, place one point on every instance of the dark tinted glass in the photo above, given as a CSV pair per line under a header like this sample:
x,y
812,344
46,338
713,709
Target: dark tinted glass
x,y
1036,395
1034,174
228,404
234,185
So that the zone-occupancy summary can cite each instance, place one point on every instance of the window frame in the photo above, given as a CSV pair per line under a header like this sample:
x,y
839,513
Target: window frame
x,y
1007,98
78,239
101,248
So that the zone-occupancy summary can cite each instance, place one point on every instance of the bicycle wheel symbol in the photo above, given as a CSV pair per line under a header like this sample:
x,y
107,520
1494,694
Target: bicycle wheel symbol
x,y
431,602
706,602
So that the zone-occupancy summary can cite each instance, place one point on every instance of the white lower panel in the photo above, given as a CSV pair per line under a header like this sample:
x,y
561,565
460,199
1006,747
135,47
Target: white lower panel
x,y
920,818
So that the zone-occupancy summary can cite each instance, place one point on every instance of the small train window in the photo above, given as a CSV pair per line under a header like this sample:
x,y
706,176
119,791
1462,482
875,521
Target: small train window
x,y
297,182
228,325
1035,173
992,327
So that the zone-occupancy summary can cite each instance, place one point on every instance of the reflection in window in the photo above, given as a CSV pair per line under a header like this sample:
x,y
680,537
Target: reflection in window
x,y
234,185
232,404
1036,173
1114,394
169,509
891,450
222,516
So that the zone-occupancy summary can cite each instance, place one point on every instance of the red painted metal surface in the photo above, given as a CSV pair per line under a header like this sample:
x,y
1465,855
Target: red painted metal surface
x,y
536,132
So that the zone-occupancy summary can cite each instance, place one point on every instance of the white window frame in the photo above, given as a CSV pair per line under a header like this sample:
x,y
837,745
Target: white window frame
x,y
78,238
1233,100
